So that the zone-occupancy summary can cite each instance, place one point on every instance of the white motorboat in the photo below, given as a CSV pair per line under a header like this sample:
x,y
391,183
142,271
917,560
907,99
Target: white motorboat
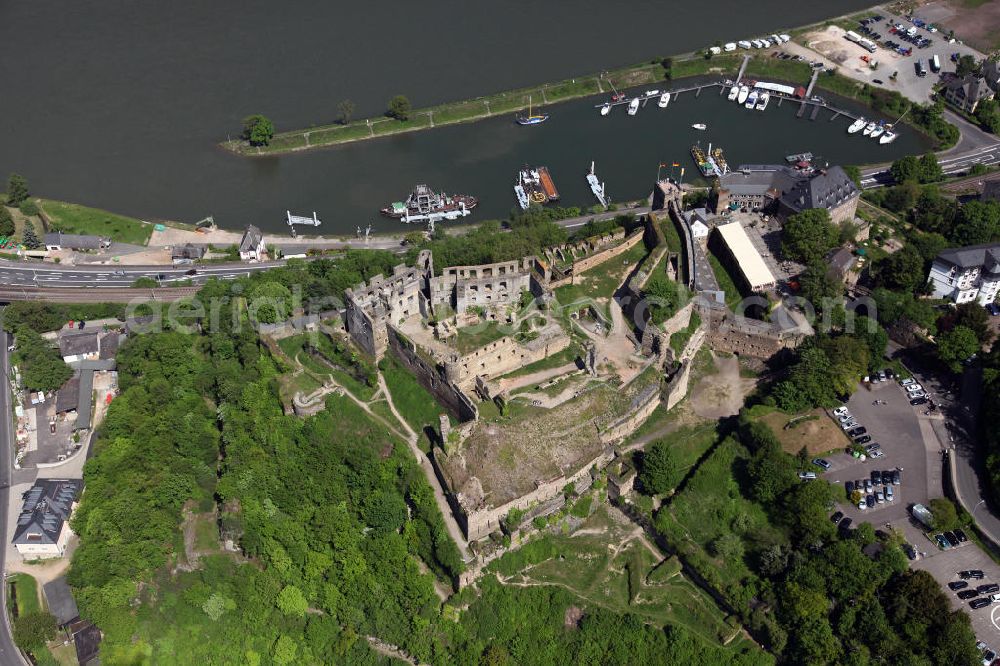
x,y
633,106
733,92
742,97
856,126
869,128
751,100
606,109
700,126
652,93
597,187
664,100
522,196
877,132
763,100
888,137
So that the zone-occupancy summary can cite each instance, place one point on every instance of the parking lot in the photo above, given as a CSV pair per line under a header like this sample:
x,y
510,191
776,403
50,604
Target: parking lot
x,y
847,56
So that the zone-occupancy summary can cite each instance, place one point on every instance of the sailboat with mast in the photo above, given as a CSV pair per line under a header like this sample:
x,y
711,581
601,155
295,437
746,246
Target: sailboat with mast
x,y
531,119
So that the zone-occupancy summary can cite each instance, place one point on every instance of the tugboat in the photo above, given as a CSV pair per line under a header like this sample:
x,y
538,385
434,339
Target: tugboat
x,y
531,119
425,205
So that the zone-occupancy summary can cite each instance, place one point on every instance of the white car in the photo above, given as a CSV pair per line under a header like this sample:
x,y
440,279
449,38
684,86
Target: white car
x,y
862,505
844,418
840,411
913,388
890,495
849,425
785,38
918,394
907,381
877,453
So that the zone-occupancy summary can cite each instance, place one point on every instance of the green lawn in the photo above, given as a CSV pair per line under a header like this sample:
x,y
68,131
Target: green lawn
x,y
726,281
76,219
471,338
415,403
26,589
206,534
601,280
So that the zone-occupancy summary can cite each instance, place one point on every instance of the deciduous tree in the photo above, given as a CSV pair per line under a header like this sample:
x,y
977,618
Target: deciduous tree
x,y
258,130
809,235
399,108
17,189
660,472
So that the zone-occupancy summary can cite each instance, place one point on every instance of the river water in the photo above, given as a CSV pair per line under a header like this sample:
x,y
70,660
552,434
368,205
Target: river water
x,y
119,104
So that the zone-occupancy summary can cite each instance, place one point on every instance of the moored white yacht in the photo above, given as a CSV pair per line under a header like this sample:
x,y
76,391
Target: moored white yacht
x,y
606,109
633,106
664,100
763,100
877,132
742,97
733,92
751,100
869,128
888,137
856,126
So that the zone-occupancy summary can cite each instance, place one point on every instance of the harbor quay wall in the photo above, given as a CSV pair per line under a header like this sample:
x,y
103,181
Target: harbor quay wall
x,y
450,396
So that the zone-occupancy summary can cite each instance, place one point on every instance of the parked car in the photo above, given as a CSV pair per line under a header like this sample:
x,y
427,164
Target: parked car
x,y
897,477
840,411
890,494
952,540
878,81
980,603
960,535
967,594
942,542
879,496
849,425
845,417
825,464
868,485
989,655
993,309
870,499
807,476
862,504
849,488
911,552
918,401
876,453
907,381
974,574
864,439
876,477
989,588
918,394
913,388
835,518
956,585
855,432
845,523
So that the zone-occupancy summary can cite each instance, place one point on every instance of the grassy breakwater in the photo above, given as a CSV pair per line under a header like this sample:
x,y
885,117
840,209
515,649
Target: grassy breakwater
x,y
761,65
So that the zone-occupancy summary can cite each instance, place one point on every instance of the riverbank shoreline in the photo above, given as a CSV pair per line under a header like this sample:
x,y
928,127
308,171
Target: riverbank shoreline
x,y
672,69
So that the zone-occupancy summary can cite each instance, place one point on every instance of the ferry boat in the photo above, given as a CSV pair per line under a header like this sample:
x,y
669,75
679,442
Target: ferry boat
x,y
633,106
799,157
531,119
712,164
425,205
664,100
888,137
537,185
597,187
751,100
721,165
606,109
869,128
878,131
742,97
733,92
856,126
762,101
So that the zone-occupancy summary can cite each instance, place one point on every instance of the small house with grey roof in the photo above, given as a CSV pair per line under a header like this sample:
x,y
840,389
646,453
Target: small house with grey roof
x,y
252,246
42,528
966,274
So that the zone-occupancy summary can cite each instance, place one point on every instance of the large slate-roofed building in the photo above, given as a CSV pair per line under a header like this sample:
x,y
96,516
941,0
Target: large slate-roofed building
x,y
42,527
967,274
783,190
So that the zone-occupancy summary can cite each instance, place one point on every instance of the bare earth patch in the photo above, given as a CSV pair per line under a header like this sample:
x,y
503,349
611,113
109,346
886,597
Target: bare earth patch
x,y
721,394
818,435
977,26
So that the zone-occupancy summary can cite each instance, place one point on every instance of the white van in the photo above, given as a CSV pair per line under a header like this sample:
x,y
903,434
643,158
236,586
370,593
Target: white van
x,y
731,46
715,50
744,44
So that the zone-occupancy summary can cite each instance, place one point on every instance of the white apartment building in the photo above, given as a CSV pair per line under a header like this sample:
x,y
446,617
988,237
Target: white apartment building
x,y
967,274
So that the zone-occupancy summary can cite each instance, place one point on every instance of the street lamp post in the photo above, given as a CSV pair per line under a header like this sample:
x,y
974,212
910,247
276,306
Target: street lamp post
x,y
978,504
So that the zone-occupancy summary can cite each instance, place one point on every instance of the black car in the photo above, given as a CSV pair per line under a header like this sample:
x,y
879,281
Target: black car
x,y
911,552
956,585
897,478
979,603
835,518
951,538
864,439
918,401
849,487
976,574
855,432
192,271
878,81
989,588
876,477
968,594
960,535
845,524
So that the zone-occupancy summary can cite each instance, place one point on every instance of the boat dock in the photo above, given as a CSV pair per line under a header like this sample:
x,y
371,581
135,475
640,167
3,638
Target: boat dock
x,y
743,68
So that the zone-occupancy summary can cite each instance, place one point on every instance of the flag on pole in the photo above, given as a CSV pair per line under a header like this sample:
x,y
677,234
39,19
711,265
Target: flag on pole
x,y
675,164
682,172
663,164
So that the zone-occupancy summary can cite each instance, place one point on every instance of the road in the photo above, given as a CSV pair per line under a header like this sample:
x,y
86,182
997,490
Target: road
x,y
53,275
9,654
89,295
974,147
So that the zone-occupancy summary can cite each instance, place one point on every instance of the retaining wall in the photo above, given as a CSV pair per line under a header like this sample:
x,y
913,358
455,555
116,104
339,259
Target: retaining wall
x,y
445,392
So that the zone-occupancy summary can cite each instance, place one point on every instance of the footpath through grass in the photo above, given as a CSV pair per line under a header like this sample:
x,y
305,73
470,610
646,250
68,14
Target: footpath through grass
x,y
414,403
76,219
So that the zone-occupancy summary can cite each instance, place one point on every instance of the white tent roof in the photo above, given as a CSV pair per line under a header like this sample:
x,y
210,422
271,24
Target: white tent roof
x,y
756,272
